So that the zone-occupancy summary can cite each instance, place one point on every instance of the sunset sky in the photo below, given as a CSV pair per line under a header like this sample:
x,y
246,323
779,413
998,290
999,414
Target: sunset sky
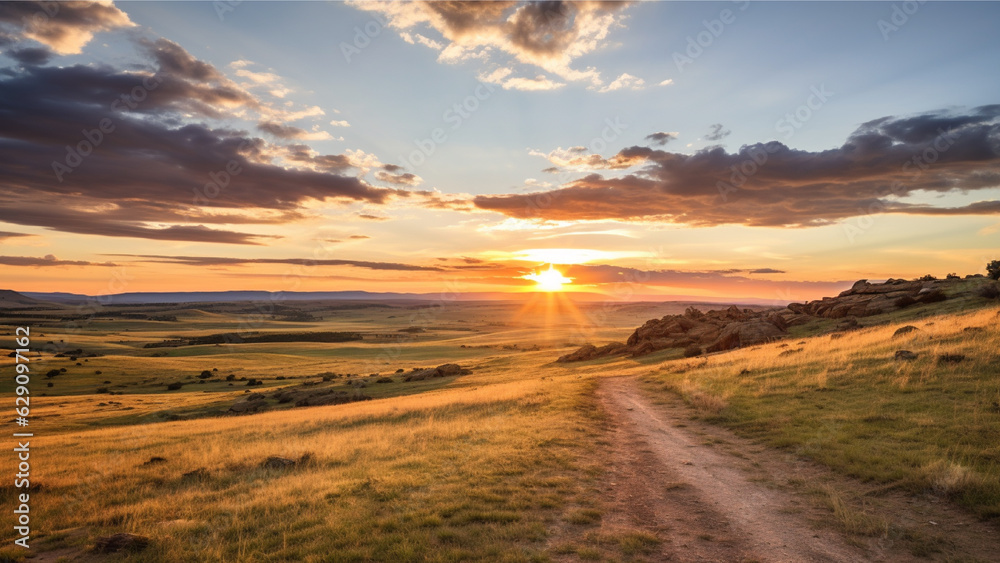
x,y
768,150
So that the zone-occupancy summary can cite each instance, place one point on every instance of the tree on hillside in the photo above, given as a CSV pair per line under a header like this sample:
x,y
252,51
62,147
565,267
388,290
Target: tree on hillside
x,y
993,269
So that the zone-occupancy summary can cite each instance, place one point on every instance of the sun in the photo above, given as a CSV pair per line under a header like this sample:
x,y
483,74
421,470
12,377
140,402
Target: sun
x,y
549,280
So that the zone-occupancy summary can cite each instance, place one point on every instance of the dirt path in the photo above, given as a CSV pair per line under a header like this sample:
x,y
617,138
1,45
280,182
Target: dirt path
x,y
710,505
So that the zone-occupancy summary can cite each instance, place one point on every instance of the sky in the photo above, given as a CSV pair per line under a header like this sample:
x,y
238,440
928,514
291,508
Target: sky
x,y
734,149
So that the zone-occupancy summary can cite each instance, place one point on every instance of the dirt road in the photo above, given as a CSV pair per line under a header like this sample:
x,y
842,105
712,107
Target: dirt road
x,y
709,504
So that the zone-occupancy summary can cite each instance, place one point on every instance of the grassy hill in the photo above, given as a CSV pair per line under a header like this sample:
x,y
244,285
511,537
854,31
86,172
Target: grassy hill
x,y
844,400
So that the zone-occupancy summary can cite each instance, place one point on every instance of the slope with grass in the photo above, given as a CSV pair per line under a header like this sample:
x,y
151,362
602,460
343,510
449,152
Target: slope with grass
x,y
926,424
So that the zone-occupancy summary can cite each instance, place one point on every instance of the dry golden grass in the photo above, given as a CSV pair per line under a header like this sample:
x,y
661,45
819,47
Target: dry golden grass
x,y
846,402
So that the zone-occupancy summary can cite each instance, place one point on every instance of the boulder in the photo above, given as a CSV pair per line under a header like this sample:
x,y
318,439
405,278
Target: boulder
x,y
903,330
905,355
739,334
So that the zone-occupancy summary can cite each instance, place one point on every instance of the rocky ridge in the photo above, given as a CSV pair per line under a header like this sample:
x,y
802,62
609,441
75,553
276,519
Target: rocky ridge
x,y
699,332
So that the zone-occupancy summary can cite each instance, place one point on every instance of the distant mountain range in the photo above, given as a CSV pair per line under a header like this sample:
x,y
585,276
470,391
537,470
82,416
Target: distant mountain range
x,y
10,298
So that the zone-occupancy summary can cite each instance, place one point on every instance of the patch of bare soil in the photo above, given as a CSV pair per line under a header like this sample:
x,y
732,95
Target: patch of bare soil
x,y
712,496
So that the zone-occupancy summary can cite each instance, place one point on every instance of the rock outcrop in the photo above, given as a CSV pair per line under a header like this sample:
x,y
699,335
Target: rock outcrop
x,y
725,329
866,299
712,331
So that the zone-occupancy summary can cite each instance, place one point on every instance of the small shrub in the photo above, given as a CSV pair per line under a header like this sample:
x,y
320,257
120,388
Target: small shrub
x,y
947,478
692,351
174,386
205,374
951,358
989,291
928,277
904,301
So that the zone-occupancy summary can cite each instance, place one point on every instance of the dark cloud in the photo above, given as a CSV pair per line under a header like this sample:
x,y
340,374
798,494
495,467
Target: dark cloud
x,y
879,165
97,223
303,154
8,234
767,271
32,56
661,138
174,60
221,261
151,168
392,168
359,237
371,217
65,27
717,133
48,260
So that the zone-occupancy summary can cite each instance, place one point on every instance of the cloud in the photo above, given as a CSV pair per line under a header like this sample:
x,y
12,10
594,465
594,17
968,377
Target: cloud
x,y
340,123
64,27
359,237
524,37
98,223
540,82
370,217
31,56
729,282
406,179
661,138
4,235
175,180
283,131
666,82
48,260
577,158
766,271
625,81
717,133
769,184
202,261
